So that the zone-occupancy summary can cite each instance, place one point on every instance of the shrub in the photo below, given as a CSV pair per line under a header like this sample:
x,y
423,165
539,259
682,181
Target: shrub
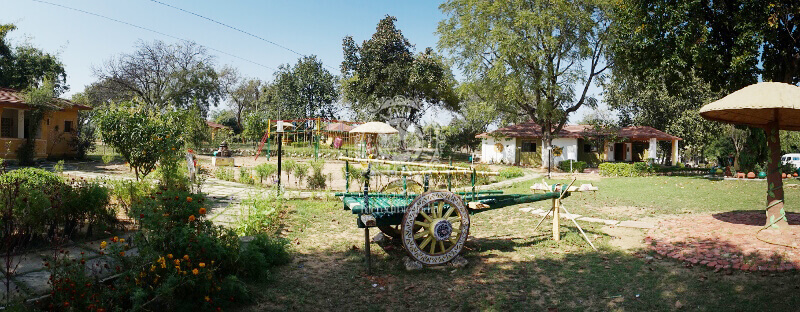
x,y
125,192
224,173
263,252
262,213
625,169
184,260
246,176
39,202
288,167
356,175
265,171
143,140
317,179
511,172
577,166
300,172
173,173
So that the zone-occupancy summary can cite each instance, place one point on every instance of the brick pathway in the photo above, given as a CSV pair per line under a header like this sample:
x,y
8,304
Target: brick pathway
x,y
728,241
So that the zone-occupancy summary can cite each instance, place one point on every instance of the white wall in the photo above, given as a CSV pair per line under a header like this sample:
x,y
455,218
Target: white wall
x,y
490,155
570,149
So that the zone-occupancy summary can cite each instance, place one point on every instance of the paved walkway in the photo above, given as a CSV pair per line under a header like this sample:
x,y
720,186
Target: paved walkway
x,y
28,275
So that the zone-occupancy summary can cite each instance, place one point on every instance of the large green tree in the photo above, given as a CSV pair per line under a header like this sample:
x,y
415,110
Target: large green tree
x,y
383,79
243,94
305,90
24,66
531,58
163,76
665,50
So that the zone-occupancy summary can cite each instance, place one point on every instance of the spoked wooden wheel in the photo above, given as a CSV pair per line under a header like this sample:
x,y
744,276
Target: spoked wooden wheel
x,y
442,232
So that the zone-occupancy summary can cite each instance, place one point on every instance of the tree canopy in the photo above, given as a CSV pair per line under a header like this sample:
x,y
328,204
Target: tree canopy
x,y
672,57
305,90
383,79
25,66
163,76
530,59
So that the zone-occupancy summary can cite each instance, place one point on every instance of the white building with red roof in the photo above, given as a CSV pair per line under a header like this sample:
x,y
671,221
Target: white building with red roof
x,y
521,144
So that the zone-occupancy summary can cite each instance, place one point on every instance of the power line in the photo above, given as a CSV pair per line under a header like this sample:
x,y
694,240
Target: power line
x,y
236,29
152,30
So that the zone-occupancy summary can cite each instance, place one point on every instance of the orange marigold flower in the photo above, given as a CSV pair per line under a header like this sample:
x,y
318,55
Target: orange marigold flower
x,y
122,253
208,299
103,245
195,271
186,257
191,218
121,240
202,264
169,256
188,199
114,239
177,261
202,211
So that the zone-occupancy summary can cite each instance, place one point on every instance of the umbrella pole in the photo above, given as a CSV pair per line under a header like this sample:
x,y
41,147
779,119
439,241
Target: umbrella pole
x,y
776,215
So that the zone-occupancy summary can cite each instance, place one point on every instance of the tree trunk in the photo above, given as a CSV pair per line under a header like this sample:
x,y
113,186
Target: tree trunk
x,y
776,215
546,152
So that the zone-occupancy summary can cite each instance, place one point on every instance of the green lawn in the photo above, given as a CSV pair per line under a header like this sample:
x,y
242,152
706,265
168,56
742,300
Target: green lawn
x,y
511,268
641,197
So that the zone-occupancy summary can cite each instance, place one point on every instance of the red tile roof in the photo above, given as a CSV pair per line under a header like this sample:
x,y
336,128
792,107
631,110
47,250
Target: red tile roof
x,y
645,132
339,127
13,98
215,125
532,130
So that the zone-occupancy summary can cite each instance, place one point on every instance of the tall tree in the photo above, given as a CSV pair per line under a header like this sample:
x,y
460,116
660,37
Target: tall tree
x,y
25,66
383,79
243,94
305,90
668,48
164,76
531,57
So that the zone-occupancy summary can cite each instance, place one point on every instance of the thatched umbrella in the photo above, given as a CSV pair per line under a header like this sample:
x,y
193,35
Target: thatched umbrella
x,y
772,106
374,128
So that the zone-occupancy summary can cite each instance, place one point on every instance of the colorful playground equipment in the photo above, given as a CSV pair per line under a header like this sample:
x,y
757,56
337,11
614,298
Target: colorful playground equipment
x,y
433,226
316,130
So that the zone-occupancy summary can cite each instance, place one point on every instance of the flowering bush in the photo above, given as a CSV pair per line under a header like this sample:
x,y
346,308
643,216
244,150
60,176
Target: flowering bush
x,y
41,202
186,260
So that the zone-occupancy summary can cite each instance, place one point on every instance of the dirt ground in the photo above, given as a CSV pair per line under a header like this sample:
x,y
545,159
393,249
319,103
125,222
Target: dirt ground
x,y
333,167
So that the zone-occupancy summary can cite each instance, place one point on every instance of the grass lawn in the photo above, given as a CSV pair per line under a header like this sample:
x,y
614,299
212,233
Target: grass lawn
x,y
644,197
512,268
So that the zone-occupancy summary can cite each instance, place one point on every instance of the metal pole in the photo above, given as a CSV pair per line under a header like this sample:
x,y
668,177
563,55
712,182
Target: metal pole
x,y
279,159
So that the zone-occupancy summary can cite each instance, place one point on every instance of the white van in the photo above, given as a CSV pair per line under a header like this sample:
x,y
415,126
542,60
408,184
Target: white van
x,y
793,159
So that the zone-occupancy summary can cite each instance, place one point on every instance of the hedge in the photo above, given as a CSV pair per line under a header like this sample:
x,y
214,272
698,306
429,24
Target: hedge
x,y
625,169
576,166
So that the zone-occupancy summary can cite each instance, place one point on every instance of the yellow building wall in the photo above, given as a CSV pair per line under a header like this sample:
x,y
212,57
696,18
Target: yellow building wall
x,y
52,140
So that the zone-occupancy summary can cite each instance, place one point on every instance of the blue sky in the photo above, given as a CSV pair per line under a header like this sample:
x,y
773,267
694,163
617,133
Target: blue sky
x,y
309,27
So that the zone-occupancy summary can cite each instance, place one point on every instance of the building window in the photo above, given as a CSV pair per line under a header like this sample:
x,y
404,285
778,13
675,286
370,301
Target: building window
x,y
6,124
528,147
68,126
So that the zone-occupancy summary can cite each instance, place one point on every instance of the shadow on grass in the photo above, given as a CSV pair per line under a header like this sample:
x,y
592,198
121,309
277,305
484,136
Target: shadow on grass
x,y
521,273
752,217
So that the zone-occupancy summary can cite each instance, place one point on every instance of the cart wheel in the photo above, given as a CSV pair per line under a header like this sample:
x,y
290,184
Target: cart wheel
x,y
444,228
396,187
